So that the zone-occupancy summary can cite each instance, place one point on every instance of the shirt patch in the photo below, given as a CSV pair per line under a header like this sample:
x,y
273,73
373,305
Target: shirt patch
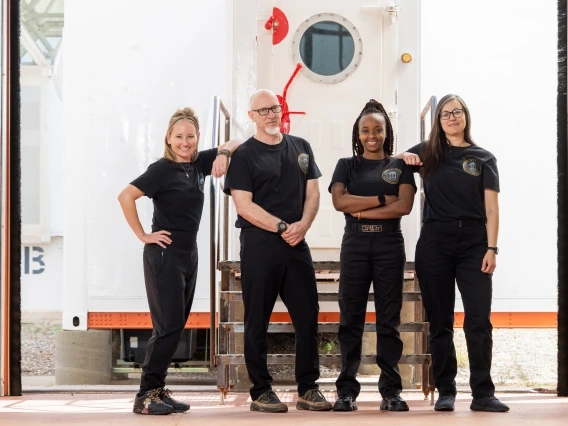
x,y
201,181
392,175
472,166
304,162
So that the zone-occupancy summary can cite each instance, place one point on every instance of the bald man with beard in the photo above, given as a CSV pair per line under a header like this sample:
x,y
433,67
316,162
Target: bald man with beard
x,y
273,179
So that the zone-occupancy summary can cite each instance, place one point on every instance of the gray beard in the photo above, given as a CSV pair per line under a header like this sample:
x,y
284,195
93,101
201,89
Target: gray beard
x,y
272,130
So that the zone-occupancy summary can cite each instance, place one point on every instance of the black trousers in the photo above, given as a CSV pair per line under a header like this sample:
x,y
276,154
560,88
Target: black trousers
x,y
270,267
170,275
447,253
378,257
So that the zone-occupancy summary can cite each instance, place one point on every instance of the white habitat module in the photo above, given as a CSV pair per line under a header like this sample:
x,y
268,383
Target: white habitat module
x,y
124,79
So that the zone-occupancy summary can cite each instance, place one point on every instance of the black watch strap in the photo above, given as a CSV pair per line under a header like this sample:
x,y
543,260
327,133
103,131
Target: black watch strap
x,y
281,227
495,249
382,200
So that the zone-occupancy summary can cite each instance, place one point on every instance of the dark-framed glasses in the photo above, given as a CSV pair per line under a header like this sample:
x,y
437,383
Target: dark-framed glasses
x,y
457,113
264,111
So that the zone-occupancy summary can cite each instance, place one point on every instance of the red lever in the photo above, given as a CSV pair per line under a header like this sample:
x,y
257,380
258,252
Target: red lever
x,y
285,121
268,24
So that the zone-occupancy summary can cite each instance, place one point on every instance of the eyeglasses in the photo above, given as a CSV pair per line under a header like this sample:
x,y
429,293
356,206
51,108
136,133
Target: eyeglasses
x,y
264,111
457,113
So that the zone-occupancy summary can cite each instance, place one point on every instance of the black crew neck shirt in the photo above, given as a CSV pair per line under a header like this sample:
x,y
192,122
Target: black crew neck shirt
x,y
372,177
177,197
277,176
456,191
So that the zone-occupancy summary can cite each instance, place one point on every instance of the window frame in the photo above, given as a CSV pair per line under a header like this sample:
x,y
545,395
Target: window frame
x,y
38,233
357,54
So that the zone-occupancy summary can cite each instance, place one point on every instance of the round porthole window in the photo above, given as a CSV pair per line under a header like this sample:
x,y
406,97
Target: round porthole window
x,y
328,46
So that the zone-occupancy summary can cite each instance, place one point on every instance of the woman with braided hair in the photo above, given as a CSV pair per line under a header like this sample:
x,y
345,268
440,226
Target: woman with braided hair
x,y
373,190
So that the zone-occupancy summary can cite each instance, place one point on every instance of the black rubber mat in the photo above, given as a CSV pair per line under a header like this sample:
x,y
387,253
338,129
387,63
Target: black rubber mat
x,y
15,200
562,205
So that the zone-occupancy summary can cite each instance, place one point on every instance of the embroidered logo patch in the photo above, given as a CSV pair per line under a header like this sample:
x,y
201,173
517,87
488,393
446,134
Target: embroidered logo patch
x,y
201,181
472,166
392,175
304,162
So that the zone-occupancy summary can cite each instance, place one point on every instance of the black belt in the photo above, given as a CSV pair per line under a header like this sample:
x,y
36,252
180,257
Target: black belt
x,y
373,227
464,223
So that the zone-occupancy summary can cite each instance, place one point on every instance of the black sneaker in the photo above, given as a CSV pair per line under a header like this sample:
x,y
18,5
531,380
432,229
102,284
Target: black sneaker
x,y
268,402
345,403
313,400
490,404
178,406
394,403
151,403
445,403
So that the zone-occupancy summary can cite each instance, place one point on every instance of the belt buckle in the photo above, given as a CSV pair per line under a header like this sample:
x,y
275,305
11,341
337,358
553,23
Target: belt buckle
x,y
371,228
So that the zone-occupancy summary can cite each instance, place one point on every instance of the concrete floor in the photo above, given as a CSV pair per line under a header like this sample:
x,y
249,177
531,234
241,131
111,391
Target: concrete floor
x,y
116,409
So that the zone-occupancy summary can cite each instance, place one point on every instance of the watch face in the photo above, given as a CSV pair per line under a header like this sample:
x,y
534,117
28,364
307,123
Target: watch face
x,y
282,226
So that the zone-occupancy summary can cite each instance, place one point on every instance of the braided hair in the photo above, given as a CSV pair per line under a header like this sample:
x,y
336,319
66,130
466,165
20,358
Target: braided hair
x,y
372,107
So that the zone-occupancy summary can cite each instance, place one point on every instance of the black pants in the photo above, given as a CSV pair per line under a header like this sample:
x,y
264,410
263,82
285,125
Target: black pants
x,y
170,275
270,267
378,257
446,254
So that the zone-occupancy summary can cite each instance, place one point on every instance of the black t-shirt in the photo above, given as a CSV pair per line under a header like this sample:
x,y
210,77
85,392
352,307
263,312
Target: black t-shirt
x,y
177,197
457,189
372,177
276,175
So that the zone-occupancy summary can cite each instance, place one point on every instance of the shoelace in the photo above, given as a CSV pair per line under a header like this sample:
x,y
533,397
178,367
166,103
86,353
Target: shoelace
x,y
314,395
166,392
155,395
268,397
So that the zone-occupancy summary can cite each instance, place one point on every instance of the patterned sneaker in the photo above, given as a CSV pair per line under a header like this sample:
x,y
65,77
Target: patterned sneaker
x,y
313,400
150,403
268,402
178,406
345,403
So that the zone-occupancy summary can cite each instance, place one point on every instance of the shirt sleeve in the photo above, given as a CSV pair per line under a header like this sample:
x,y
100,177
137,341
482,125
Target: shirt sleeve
x,y
417,149
151,181
206,158
491,175
340,174
239,175
407,176
313,169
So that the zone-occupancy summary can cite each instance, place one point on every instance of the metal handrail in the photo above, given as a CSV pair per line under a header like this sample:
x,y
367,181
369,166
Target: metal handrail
x,y
430,107
214,251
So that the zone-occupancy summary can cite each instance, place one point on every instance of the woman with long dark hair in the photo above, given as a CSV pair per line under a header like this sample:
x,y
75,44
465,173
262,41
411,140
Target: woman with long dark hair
x,y
458,244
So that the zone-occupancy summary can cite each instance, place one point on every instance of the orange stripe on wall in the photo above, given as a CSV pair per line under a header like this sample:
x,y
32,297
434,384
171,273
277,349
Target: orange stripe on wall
x,y
118,320
133,320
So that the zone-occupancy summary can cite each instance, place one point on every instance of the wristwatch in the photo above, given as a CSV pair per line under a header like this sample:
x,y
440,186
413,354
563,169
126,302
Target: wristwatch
x,y
224,152
382,200
495,249
281,227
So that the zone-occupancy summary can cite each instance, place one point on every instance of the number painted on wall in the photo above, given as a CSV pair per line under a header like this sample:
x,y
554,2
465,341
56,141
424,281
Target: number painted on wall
x,y
33,260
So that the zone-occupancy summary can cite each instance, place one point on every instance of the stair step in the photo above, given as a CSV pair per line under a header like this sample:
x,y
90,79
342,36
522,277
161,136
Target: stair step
x,y
319,266
333,277
323,296
323,327
324,359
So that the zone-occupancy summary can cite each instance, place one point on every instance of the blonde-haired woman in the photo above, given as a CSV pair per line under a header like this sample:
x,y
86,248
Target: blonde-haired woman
x,y
175,184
